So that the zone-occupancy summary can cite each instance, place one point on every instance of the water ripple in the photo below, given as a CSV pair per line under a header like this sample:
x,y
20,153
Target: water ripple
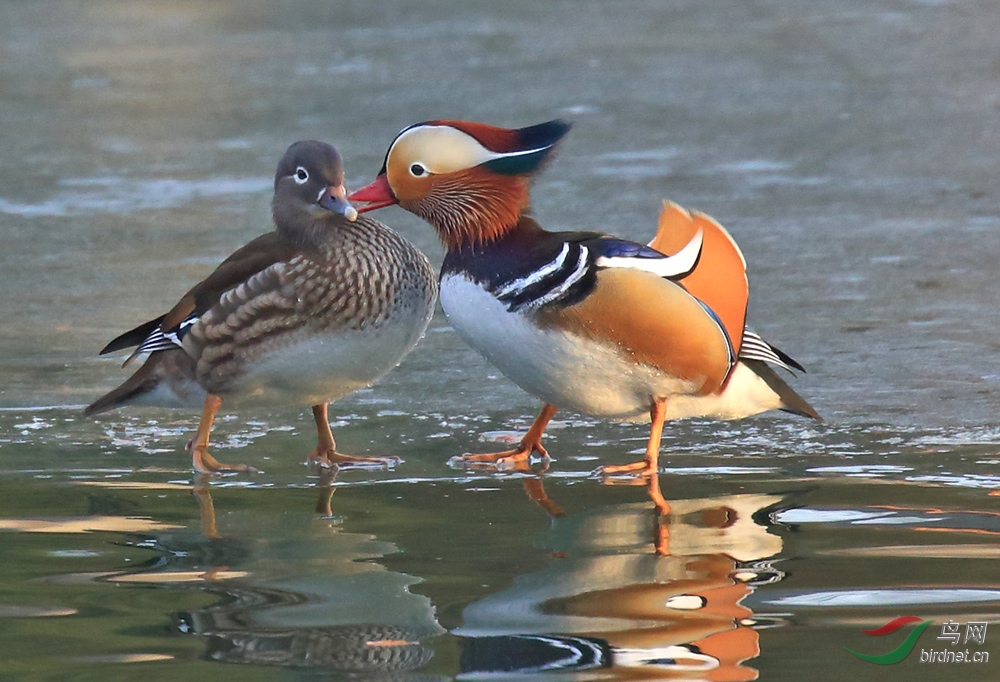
x,y
886,597
115,194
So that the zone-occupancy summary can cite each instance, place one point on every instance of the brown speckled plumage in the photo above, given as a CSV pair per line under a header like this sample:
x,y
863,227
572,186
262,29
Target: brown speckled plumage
x,y
325,304
363,275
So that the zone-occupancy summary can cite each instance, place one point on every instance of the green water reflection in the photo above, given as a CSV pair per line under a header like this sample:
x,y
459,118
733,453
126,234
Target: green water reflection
x,y
113,572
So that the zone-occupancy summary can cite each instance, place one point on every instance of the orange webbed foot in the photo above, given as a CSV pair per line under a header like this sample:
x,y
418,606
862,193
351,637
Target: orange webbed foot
x,y
326,455
203,462
329,458
518,459
638,470
647,468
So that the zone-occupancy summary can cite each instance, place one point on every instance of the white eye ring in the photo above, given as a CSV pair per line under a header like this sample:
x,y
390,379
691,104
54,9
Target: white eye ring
x,y
418,170
301,176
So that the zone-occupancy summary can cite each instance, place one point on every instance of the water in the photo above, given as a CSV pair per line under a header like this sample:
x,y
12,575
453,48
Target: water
x,y
849,147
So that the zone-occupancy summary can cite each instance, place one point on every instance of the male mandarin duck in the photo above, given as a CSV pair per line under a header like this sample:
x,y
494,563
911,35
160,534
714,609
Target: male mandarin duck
x,y
325,304
582,320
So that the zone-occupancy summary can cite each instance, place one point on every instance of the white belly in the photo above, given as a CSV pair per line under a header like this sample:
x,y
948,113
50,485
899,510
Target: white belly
x,y
323,368
568,371
310,370
744,394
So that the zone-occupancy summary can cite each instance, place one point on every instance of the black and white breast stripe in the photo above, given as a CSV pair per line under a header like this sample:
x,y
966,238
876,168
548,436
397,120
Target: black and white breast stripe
x,y
565,278
571,274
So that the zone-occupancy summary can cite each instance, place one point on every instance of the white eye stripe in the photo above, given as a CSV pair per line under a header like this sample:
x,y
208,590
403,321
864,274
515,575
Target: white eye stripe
x,y
448,149
301,176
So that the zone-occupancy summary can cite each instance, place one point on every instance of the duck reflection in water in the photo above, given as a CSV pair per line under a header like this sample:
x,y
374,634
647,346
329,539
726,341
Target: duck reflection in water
x,y
607,603
306,600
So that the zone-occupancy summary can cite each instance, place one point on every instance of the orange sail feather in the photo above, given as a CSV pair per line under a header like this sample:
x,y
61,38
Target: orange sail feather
x,y
720,278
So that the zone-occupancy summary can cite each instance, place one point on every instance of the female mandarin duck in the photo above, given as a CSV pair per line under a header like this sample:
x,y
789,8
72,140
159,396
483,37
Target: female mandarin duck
x,y
582,320
322,306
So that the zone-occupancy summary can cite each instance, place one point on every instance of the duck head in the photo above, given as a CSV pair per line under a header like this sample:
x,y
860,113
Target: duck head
x,y
309,184
470,181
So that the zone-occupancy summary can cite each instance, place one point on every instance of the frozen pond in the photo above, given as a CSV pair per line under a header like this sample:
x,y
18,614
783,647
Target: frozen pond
x,y
850,148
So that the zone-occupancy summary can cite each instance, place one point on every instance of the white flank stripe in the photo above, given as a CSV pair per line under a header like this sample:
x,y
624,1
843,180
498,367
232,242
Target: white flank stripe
x,y
680,263
754,347
558,292
536,276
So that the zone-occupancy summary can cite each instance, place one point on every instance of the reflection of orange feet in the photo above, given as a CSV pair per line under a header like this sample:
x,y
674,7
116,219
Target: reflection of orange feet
x,y
206,507
661,534
661,538
204,463
536,492
214,573
390,642
329,457
327,476
517,458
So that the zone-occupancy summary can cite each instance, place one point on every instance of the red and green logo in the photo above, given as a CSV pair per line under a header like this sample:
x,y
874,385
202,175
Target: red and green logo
x,y
903,650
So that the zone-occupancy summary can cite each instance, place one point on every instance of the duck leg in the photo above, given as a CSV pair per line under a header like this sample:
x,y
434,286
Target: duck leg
x,y
532,442
647,467
201,460
326,453
327,476
661,531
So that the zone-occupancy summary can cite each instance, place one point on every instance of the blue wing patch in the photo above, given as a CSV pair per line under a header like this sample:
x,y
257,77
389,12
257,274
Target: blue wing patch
x,y
610,247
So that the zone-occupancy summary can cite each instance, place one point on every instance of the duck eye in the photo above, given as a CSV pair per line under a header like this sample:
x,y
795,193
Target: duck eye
x,y
301,175
417,170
